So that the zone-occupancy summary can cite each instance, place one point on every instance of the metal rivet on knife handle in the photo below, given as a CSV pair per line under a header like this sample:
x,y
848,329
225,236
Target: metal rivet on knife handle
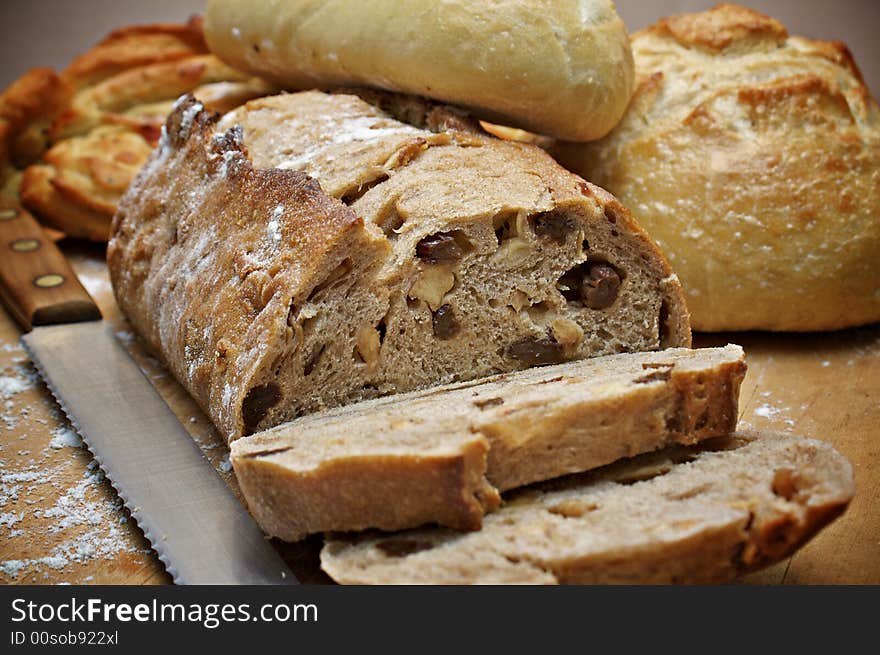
x,y
8,214
24,245
49,281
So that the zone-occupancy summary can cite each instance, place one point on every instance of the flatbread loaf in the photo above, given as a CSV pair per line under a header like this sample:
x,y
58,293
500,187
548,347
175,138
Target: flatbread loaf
x,y
71,142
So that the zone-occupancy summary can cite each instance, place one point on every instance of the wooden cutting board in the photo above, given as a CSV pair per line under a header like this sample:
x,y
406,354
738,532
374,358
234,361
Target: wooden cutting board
x,y
61,522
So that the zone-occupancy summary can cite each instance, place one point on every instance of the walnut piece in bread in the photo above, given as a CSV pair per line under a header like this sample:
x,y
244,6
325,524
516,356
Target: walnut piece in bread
x,y
682,515
753,157
453,261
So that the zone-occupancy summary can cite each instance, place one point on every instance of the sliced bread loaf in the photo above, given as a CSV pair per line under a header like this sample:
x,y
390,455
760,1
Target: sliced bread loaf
x,y
442,455
459,256
684,515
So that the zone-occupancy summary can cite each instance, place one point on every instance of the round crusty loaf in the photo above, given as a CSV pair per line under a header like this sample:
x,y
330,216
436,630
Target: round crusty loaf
x,y
754,160
558,68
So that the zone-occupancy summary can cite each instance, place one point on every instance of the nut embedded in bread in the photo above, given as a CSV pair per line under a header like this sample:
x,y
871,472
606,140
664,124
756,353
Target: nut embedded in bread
x,y
752,157
468,256
683,515
443,454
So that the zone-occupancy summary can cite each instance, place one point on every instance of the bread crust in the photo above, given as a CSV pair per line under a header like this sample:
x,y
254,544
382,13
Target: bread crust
x,y
26,110
134,46
753,157
685,515
81,178
390,491
421,457
216,308
140,86
558,68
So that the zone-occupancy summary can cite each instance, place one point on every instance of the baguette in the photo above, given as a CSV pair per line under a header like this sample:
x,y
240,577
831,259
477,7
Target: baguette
x,y
684,515
442,455
557,68
454,256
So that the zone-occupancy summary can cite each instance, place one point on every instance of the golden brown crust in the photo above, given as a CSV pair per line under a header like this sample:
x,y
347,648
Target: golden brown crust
x,y
142,85
39,193
129,80
753,163
81,179
723,26
26,110
134,46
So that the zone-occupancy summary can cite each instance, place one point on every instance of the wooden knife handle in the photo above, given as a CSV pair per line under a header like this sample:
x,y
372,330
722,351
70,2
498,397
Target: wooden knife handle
x,y
37,284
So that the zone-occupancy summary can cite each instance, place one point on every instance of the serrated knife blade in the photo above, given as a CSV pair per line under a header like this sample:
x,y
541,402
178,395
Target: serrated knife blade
x,y
196,525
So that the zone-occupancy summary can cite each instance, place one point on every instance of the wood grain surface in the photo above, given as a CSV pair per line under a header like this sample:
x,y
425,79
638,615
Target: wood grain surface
x,y
60,522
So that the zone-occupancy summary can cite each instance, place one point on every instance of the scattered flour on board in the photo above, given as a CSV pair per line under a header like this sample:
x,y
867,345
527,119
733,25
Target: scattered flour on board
x,y
9,519
11,386
52,516
65,436
770,412
766,411
14,380
88,522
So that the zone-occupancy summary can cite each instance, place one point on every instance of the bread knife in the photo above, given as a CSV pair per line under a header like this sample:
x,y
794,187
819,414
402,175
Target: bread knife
x,y
196,525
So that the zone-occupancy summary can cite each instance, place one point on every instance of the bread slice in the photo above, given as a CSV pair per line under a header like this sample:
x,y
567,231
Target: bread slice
x,y
442,455
684,515
458,256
